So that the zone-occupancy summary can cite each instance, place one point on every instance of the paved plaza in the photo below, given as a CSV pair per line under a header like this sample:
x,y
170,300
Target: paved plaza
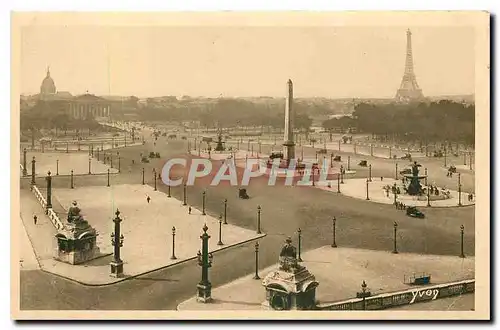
x,y
63,163
356,188
147,228
340,272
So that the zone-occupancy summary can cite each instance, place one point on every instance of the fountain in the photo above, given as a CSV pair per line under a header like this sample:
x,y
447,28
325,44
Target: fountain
x,y
414,188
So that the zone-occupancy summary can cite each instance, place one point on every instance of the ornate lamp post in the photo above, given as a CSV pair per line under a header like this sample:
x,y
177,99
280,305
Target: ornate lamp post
x,y
428,197
312,176
184,196
367,197
225,211
205,261
154,177
462,255
33,170
445,155
143,175
459,191
90,160
256,276
390,152
119,161
25,171
364,294
117,243
396,171
370,173
49,192
57,166
203,196
111,159
395,250
334,222
71,179
299,232
259,209
426,176
97,153
338,183
108,177
173,257
220,231
342,174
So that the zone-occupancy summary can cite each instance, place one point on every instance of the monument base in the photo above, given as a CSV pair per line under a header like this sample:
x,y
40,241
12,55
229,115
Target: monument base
x,y
116,269
76,243
77,256
204,293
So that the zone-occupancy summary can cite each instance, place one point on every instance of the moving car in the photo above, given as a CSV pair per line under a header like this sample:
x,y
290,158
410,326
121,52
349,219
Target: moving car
x,y
412,211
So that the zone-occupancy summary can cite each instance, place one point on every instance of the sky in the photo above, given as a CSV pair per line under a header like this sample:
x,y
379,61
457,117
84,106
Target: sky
x,y
213,61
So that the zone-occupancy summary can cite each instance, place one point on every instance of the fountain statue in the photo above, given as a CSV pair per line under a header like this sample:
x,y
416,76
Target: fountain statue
x,y
414,187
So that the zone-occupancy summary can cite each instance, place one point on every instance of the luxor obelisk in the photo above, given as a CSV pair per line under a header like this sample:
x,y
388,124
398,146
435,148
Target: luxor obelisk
x,y
289,144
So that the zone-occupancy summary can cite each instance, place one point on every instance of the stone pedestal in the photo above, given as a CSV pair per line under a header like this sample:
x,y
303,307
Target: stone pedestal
x,y
204,292
291,287
76,243
116,268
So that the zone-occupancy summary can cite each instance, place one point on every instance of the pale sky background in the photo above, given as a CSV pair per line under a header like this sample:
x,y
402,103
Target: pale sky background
x,y
248,61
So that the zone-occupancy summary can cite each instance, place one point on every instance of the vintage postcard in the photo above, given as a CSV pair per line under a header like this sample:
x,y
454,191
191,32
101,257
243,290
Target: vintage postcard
x,y
250,165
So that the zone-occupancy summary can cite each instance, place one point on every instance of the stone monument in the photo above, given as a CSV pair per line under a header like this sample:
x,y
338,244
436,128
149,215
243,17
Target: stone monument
x,y
220,145
76,241
291,286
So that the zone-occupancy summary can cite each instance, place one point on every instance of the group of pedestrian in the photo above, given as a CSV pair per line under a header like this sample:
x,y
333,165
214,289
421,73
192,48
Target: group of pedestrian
x,y
470,197
400,206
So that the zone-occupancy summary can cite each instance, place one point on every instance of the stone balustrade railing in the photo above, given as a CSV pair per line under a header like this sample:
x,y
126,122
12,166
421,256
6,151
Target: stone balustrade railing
x,y
39,196
407,297
54,219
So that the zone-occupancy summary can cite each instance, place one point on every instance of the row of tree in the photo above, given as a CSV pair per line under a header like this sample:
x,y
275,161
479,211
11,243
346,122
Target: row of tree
x,y
424,122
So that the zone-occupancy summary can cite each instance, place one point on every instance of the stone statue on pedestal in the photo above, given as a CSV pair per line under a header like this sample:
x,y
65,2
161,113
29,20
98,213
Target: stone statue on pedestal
x,y
291,286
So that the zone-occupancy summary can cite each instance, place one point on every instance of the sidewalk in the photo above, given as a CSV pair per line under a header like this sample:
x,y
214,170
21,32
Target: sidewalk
x,y
340,272
147,229
78,162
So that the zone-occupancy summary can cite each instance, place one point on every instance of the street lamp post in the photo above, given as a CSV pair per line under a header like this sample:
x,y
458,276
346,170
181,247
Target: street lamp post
x,y
33,170
173,257
25,171
184,197
203,196
459,191
119,161
71,179
367,196
470,160
331,160
364,294
143,175
370,173
348,163
299,232
97,153
219,243
390,152
256,276
90,160
225,211
354,148
312,170
395,250
371,150
57,166
426,176
342,174
338,184
205,261
108,177
49,192
117,242
445,156
334,223
462,255
428,197
259,209
154,177
396,171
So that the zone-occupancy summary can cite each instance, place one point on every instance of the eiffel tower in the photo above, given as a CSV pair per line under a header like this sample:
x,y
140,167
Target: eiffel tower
x,y
409,89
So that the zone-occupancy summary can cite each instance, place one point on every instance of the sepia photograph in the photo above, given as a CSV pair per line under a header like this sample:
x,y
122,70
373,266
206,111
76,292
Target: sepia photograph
x,y
229,165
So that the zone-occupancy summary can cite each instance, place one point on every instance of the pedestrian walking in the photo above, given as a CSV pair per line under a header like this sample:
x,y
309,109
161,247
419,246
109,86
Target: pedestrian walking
x,y
189,210
148,199
35,218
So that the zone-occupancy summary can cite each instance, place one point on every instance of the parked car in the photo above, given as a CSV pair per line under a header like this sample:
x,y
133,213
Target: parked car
x,y
412,211
145,159
363,163
337,158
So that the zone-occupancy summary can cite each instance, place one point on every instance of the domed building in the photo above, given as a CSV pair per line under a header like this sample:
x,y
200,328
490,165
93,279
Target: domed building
x,y
81,106
48,87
